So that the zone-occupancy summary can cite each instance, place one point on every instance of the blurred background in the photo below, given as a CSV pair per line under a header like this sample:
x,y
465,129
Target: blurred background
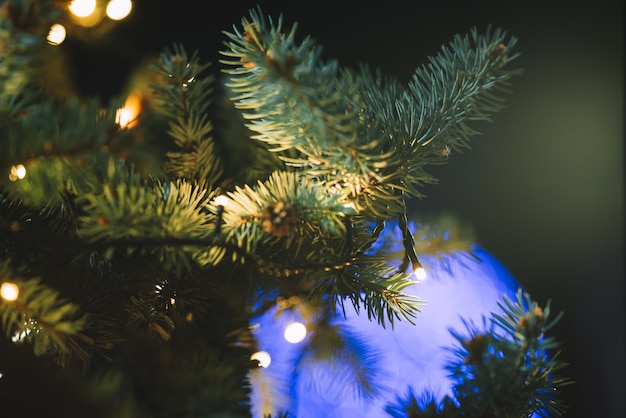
x,y
542,186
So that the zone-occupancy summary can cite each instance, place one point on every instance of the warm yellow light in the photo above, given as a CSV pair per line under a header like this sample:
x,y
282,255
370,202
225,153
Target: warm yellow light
x,y
82,8
420,273
221,200
295,332
19,336
263,357
18,172
9,291
126,117
57,34
119,9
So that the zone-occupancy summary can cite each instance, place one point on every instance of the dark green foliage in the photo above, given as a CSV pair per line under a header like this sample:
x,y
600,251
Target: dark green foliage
x,y
141,264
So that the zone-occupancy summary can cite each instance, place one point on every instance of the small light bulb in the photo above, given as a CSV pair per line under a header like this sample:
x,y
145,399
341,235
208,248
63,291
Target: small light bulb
x,y
18,172
118,9
9,291
221,200
82,8
295,332
57,34
420,273
263,357
127,116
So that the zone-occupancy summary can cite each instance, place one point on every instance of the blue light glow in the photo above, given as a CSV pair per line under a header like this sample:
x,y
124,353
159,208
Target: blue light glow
x,y
408,356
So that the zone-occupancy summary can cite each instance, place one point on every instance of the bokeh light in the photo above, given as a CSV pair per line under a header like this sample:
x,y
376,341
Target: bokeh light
x,y
9,291
18,172
406,357
57,34
127,116
295,332
263,357
82,8
118,9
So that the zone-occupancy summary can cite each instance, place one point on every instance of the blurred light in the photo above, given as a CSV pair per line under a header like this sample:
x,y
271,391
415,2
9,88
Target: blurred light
x,y
420,273
127,116
57,34
18,172
82,8
19,336
263,357
295,332
118,9
221,200
410,356
9,291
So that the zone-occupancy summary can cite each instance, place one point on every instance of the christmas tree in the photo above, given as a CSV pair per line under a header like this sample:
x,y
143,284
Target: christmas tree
x,y
137,252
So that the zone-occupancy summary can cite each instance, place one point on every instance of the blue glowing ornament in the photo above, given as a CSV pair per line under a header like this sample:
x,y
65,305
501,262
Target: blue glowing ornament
x,y
458,288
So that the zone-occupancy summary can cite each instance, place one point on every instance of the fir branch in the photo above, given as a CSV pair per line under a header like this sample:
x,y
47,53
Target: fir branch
x,y
349,359
380,134
52,140
309,212
117,206
23,27
183,93
269,394
510,368
275,76
39,315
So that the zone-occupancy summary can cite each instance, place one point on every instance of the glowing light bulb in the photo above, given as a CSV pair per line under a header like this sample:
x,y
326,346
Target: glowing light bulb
x,y
221,200
295,332
19,336
263,357
118,9
9,291
127,116
420,273
18,172
82,8
57,34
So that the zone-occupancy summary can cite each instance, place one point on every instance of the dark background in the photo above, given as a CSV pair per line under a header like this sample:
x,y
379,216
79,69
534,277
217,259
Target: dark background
x,y
543,186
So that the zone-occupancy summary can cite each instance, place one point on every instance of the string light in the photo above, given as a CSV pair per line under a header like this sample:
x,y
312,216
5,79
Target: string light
x,y
263,357
18,172
126,117
20,336
57,34
221,200
419,272
118,9
295,332
82,8
9,291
